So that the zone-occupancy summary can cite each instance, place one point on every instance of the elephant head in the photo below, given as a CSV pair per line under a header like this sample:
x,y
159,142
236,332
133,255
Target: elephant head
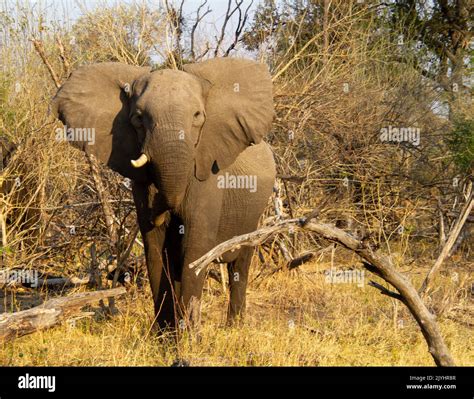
x,y
167,126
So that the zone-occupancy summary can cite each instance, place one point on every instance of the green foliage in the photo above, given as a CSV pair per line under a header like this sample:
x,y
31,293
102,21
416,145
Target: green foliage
x,y
461,142
5,250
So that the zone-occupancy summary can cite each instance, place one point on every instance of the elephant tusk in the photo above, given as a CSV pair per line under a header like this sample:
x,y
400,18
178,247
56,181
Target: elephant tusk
x,y
160,219
138,163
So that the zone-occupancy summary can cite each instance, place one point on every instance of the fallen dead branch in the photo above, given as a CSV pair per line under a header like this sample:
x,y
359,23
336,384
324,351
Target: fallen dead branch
x,y
50,282
374,262
63,281
50,313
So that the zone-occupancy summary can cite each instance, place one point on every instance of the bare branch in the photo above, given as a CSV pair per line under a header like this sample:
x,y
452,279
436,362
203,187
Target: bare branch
x,y
240,26
63,56
385,291
103,198
227,17
176,20
199,18
38,45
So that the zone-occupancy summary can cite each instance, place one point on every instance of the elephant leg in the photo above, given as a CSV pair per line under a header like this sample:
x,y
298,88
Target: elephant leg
x,y
172,252
191,292
200,236
238,278
159,273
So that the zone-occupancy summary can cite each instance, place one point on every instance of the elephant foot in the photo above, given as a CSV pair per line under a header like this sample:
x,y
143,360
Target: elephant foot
x,y
164,324
235,320
167,337
191,316
180,363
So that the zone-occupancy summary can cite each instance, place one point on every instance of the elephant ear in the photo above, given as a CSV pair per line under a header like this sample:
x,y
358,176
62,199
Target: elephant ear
x,y
239,110
94,98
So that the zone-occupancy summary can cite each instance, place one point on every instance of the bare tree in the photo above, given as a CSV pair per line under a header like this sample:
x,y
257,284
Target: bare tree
x,y
199,18
243,17
176,20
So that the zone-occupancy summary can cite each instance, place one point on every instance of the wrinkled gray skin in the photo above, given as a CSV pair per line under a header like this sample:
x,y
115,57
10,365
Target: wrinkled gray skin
x,y
193,126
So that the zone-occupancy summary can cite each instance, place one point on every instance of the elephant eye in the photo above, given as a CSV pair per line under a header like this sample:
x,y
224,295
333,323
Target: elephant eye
x,y
197,114
136,118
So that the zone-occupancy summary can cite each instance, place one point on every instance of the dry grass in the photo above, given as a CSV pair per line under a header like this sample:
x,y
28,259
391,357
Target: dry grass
x,y
322,133
294,319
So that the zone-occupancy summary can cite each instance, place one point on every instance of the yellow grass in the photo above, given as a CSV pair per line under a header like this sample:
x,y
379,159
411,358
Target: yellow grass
x,y
293,319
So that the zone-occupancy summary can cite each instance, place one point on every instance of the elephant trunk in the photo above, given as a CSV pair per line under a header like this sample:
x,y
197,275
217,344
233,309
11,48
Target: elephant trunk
x,y
172,163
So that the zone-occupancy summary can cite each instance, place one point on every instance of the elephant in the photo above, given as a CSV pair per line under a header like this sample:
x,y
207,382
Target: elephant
x,y
190,140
